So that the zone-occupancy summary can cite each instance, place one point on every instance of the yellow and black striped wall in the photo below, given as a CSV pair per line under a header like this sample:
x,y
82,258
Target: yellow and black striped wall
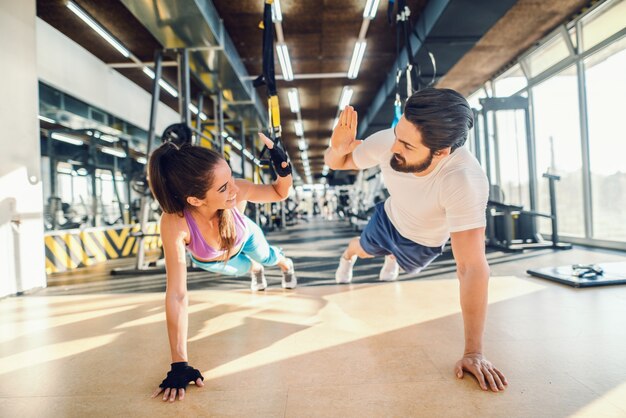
x,y
72,249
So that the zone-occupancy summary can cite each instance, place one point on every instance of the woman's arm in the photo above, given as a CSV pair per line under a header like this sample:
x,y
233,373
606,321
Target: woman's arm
x,y
275,192
262,193
173,237
176,301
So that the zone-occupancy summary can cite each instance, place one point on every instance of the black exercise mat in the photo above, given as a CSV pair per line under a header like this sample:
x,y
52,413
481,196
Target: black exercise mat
x,y
614,273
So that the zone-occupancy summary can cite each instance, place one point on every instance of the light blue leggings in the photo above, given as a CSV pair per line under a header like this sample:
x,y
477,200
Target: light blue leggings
x,y
255,247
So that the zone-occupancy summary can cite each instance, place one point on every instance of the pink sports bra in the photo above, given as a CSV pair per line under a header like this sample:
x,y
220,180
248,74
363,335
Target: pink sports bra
x,y
198,246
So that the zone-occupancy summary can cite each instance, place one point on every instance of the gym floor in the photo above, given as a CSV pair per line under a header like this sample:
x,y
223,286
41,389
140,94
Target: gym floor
x,y
92,344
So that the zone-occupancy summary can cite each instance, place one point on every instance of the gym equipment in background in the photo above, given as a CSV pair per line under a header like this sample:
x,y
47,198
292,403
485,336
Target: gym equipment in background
x,y
511,228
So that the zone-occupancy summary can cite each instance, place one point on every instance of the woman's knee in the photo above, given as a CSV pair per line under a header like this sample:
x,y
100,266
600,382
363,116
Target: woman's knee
x,y
269,256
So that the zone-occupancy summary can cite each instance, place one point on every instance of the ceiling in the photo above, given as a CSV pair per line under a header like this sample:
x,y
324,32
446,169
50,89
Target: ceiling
x,y
469,39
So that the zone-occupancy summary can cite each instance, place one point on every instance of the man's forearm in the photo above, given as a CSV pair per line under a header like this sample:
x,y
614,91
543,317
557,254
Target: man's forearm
x,y
474,284
334,160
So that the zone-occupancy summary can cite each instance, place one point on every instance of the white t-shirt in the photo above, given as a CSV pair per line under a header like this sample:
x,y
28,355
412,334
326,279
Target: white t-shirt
x,y
451,198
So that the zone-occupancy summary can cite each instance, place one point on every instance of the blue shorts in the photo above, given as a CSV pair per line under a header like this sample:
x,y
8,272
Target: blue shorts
x,y
380,237
255,247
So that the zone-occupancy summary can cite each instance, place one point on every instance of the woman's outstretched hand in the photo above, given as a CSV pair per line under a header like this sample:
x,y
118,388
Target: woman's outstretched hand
x,y
278,156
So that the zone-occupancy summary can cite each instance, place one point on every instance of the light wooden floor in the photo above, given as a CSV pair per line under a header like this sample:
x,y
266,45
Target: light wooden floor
x,y
363,350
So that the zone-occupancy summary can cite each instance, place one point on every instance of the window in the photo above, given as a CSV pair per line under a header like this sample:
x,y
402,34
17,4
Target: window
x,y
558,150
512,81
511,155
550,53
474,103
474,98
602,23
605,73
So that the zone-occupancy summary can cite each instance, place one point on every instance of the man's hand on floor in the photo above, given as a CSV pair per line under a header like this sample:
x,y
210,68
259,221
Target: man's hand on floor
x,y
487,375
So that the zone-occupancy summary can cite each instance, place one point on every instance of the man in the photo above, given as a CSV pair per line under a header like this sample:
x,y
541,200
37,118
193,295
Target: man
x,y
437,191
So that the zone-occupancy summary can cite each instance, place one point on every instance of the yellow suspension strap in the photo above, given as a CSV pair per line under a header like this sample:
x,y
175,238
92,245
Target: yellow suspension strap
x,y
273,108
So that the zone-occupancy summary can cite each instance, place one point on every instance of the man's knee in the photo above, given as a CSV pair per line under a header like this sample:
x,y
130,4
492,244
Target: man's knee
x,y
355,246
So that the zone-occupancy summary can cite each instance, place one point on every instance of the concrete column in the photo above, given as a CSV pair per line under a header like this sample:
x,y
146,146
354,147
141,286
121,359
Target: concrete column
x,y
22,257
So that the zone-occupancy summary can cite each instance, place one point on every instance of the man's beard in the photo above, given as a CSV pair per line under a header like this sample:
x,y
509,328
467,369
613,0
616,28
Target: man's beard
x,y
399,164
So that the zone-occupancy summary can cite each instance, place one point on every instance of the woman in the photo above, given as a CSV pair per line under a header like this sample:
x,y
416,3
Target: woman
x,y
202,205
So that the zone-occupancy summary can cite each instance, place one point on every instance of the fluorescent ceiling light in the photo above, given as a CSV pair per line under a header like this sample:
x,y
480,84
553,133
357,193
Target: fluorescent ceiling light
x,y
166,86
99,29
67,139
234,142
285,62
45,119
294,100
298,127
302,146
257,162
142,160
194,110
357,57
277,14
371,7
248,154
346,96
114,152
108,138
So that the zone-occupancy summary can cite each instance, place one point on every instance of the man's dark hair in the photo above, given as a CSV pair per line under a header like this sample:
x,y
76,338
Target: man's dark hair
x,y
442,116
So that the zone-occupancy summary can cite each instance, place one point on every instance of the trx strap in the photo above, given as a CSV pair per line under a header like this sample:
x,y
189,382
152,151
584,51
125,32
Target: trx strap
x,y
397,104
403,28
412,71
268,77
402,31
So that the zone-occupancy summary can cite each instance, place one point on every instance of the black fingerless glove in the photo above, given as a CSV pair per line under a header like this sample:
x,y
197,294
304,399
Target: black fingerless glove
x,y
278,157
180,376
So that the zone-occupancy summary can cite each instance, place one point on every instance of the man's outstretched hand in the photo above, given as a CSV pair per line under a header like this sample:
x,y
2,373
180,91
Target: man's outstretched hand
x,y
487,375
343,141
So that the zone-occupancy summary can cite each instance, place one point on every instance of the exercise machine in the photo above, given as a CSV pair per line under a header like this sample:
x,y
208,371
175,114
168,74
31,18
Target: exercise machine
x,y
511,228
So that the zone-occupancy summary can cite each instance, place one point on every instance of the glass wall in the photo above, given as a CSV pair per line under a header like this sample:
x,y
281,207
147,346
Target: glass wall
x,y
575,81
511,156
557,141
605,74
